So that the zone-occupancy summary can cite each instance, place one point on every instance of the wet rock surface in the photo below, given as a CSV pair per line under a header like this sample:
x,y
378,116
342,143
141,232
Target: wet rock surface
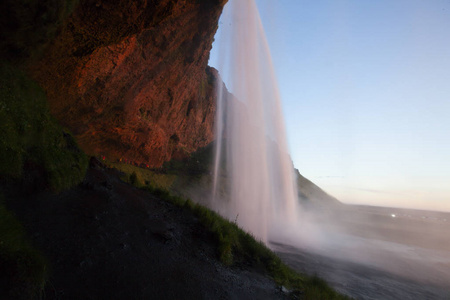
x,y
108,240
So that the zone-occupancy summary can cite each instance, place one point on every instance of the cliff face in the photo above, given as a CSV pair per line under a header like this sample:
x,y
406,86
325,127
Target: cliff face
x,y
130,78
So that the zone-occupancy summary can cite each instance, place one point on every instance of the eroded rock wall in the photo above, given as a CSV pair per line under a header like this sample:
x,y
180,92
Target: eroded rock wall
x,y
130,78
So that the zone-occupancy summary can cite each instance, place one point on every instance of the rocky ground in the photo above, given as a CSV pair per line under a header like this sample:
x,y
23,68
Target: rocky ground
x,y
108,240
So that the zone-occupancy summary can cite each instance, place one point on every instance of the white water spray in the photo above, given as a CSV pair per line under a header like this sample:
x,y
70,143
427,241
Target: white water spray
x,y
260,182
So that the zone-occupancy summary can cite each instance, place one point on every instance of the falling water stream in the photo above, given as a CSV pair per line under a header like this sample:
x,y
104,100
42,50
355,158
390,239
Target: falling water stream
x,y
251,137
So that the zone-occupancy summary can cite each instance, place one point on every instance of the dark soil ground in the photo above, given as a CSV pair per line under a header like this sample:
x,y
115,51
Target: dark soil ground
x,y
105,239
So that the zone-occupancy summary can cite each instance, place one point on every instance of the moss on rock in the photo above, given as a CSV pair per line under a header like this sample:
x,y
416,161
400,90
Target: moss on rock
x,y
33,147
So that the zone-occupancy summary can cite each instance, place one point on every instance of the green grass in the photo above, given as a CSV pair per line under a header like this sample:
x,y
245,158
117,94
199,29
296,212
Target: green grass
x,y
23,269
234,246
174,175
141,177
30,138
237,247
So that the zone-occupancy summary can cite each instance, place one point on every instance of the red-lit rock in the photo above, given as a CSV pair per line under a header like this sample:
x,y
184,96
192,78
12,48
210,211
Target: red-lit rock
x,y
130,78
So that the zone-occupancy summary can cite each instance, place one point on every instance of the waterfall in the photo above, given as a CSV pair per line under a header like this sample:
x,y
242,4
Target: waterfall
x,y
252,163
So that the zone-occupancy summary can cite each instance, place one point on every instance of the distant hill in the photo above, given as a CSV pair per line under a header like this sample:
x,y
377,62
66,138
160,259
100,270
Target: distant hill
x,y
312,196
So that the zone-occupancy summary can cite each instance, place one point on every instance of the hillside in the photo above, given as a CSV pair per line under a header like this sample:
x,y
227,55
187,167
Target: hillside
x,y
312,196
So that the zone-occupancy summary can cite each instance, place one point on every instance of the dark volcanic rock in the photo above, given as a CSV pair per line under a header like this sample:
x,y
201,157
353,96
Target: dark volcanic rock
x,y
130,78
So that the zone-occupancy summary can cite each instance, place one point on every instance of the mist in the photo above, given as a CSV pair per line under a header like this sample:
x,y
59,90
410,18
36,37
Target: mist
x,y
372,252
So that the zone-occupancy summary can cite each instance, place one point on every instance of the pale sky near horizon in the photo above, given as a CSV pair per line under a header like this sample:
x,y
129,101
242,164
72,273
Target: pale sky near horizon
x,y
365,87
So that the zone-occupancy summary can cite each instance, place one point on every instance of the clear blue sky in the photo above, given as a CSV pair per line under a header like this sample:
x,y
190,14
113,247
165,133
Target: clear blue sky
x,y
365,87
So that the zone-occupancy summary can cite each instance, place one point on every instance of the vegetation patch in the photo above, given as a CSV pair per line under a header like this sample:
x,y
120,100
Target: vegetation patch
x,y
33,146
196,164
141,177
235,247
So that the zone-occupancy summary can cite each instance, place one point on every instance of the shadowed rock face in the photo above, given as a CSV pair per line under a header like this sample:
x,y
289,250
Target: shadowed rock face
x,y
130,78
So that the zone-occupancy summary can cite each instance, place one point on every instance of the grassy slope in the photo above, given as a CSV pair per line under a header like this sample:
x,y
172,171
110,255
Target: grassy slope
x,y
234,245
